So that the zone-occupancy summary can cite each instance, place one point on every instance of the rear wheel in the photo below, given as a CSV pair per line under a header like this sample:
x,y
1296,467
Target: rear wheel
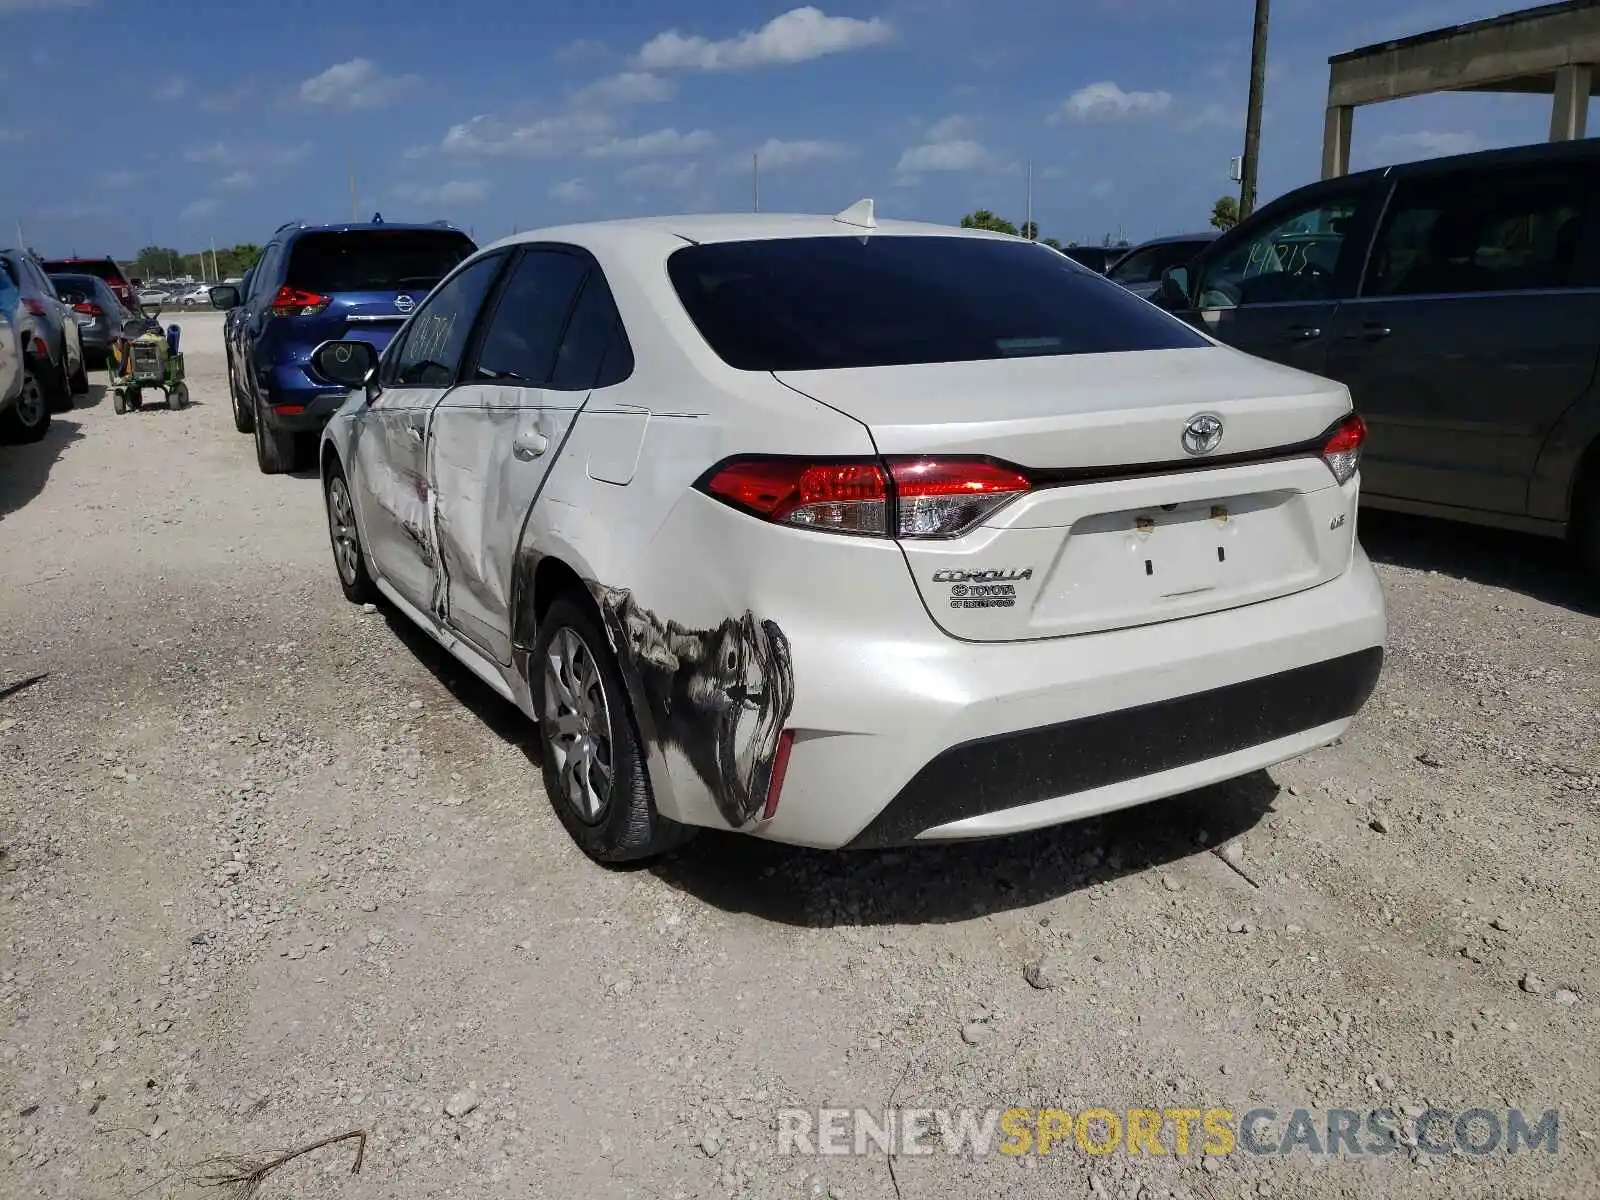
x,y
80,378
28,419
275,451
178,396
1586,523
59,391
348,556
119,401
594,768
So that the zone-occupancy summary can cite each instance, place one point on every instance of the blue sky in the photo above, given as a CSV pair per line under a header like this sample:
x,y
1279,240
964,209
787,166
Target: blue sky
x,y
123,124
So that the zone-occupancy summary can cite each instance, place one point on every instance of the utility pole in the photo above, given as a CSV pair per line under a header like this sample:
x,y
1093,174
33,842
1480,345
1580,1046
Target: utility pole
x,y
1252,117
1028,225
755,180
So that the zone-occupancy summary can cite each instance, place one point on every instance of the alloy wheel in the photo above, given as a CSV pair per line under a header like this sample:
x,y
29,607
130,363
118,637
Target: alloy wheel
x,y
342,526
577,723
31,404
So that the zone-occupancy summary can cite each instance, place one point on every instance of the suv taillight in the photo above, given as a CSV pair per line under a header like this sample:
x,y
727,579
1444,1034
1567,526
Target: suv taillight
x,y
1342,451
294,302
899,497
89,309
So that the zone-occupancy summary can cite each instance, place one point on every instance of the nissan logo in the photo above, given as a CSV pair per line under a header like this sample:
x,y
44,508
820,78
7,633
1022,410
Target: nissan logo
x,y
404,304
1202,434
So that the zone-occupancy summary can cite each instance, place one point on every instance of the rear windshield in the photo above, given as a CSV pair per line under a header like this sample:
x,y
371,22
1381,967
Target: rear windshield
x,y
806,304
100,270
74,289
376,260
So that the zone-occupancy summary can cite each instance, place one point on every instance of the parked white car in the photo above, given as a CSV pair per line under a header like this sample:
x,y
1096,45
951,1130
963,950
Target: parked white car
x,y
853,534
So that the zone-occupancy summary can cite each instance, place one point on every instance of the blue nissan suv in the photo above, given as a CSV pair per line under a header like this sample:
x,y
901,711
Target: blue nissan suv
x,y
313,284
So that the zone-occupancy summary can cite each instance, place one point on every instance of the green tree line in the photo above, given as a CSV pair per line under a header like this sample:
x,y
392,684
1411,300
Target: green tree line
x,y
160,262
984,219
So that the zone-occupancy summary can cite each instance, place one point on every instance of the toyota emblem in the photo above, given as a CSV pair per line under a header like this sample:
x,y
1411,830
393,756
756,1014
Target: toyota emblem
x,y
404,304
1202,434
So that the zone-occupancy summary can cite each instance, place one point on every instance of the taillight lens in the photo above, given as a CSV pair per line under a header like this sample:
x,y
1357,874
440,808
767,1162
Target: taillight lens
x,y
941,497
1342,451
89,309
910,498
295,302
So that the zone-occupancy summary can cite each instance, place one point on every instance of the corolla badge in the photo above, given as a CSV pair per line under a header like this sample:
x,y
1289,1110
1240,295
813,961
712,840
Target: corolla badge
x,y
1202,434
404,304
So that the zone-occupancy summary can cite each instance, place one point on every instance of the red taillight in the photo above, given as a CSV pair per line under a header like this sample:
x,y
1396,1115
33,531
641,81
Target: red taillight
x,y
1342,450
938,497
36,307
928,497
780,768
89,309
295,302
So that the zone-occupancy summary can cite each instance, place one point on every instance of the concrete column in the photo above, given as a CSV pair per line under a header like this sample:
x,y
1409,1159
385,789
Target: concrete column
x,y
1336,140
1569,116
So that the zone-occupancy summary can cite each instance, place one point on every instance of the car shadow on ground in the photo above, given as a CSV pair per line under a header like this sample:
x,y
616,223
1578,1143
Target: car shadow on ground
x,y
92,398
1541,568
937,884
24,468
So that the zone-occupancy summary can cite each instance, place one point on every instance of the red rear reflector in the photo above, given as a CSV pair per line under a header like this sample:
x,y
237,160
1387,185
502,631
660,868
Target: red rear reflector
x,y
295,302
1342,451
780,768
289,410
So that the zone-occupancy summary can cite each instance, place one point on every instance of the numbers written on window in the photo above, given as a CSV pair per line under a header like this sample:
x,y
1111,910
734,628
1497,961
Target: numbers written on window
x,y
437,336
1498,231
1294,259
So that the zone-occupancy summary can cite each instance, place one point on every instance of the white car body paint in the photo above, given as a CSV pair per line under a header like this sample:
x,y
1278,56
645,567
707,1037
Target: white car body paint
x,y
887,677
10,363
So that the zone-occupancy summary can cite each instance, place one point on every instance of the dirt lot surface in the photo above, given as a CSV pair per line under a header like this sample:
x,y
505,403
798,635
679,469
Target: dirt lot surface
x,y
273,868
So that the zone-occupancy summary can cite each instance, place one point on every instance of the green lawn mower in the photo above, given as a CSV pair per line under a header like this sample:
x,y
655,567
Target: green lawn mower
x,y
144,356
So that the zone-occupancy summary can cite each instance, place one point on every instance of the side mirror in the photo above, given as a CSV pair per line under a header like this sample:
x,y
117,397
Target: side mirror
x,y
225,296
136,283
348,364
1173,293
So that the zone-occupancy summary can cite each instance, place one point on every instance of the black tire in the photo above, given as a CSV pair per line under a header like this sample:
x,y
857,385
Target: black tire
x,y
626,827
178,396
80,379
135,399
243,419
1586,524
275,451
349,557
28,419
119,402
60,388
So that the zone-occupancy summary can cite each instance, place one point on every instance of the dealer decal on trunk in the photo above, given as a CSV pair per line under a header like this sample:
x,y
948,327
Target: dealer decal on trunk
x,y
996,588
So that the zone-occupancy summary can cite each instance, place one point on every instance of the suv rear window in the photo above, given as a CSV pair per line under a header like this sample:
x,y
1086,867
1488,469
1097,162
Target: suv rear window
x,y
376,260
74,289
806,304
102,269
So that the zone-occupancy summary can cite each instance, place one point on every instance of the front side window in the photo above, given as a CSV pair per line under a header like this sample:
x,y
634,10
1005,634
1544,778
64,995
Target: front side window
x,y
436,336
1498,231
1294,259
816,303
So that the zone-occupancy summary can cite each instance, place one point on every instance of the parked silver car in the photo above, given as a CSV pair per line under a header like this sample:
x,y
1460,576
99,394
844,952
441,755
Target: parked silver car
x,y
24,415
51,346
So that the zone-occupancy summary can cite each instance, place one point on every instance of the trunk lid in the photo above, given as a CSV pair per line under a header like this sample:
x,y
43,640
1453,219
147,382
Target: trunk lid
x,y
1123,527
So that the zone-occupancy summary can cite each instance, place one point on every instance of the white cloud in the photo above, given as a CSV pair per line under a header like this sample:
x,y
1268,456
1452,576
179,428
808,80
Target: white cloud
x,y
456,191
951,129
664,175
196,209
499,137
1398,147
578,51
232,98
650,145
173,89
960,155
356,84
630,87
796,36
237,156
17,6
238,181
572,191
1108,102
776,155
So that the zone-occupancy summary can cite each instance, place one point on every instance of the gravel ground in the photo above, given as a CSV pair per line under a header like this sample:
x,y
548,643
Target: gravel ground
x,y
272,868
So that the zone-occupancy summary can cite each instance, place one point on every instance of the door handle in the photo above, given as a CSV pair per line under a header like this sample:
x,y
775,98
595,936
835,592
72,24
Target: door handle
x,y
414,432
1373,331
529,445
1303,333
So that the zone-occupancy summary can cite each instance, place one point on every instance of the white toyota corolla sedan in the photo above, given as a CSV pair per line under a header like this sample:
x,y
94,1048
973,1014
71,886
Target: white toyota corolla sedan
x,y
853,534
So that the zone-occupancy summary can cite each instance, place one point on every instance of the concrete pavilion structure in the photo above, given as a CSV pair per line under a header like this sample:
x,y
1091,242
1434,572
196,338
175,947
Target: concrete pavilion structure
x,y
1549,50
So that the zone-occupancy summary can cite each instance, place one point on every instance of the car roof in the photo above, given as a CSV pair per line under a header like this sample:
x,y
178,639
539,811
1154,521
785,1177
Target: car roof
x,y
294,230
701,228
1539,152
104,258
1209,235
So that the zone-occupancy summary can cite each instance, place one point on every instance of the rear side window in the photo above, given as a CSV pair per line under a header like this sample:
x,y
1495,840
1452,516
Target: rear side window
x,y
1147,264
805,304
524,335
375,260
1493,231
594,352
